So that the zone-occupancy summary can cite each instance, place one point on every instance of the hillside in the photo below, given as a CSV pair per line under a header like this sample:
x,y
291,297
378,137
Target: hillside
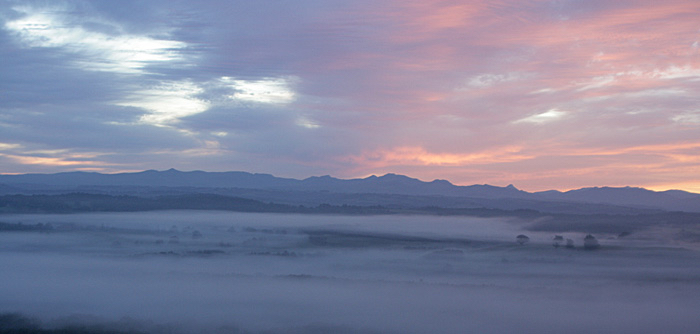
x,y
389,190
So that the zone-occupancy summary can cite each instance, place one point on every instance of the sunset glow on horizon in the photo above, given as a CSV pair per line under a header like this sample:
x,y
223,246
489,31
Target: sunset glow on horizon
x,y
539,94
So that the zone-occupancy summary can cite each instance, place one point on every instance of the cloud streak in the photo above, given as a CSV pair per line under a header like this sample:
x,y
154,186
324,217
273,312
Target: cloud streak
x,y
93,50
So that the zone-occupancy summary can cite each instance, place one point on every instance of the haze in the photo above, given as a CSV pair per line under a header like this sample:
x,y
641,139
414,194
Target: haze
x,y
224,272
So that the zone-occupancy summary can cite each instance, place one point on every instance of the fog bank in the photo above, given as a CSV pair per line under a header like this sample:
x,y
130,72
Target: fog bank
x,y
225,272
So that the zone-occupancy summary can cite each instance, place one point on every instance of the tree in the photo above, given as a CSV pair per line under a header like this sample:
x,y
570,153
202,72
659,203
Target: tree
x,y
590,242
569,243
522,239
557,241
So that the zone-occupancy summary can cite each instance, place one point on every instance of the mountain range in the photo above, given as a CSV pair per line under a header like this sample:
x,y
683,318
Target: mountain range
x,y
387,190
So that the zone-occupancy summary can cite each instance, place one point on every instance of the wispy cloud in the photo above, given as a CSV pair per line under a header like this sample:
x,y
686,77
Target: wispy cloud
x,y
92,50
490,79
167,103
67,160
550,115
264,90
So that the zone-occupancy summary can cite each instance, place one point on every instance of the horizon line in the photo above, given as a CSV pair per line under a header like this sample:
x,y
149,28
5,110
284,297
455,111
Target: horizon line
x,y
649,188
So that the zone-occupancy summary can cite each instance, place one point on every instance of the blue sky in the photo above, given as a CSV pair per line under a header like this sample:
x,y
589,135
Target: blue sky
x,y
540,94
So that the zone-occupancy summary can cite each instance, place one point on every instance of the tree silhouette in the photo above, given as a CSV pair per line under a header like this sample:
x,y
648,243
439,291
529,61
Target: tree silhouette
x,y
590,242
557,241
522,239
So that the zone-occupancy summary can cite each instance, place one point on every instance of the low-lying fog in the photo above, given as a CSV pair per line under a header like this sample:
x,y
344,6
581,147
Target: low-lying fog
x,y
223,272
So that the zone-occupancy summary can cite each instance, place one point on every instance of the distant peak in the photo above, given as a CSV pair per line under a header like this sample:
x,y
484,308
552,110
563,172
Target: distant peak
x,y
322,177
394,176
511,186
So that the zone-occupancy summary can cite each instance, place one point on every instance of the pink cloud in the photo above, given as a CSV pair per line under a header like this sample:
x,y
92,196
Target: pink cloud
x,y
541,94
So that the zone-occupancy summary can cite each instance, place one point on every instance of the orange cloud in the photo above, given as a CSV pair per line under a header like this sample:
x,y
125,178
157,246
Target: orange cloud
x,y
67,160
47,161
660,167
692,186
419,156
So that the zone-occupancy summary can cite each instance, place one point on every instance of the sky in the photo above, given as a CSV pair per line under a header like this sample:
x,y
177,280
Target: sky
x,y
538,94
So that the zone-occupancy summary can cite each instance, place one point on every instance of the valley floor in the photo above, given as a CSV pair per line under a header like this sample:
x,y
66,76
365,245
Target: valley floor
x,y
227,272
